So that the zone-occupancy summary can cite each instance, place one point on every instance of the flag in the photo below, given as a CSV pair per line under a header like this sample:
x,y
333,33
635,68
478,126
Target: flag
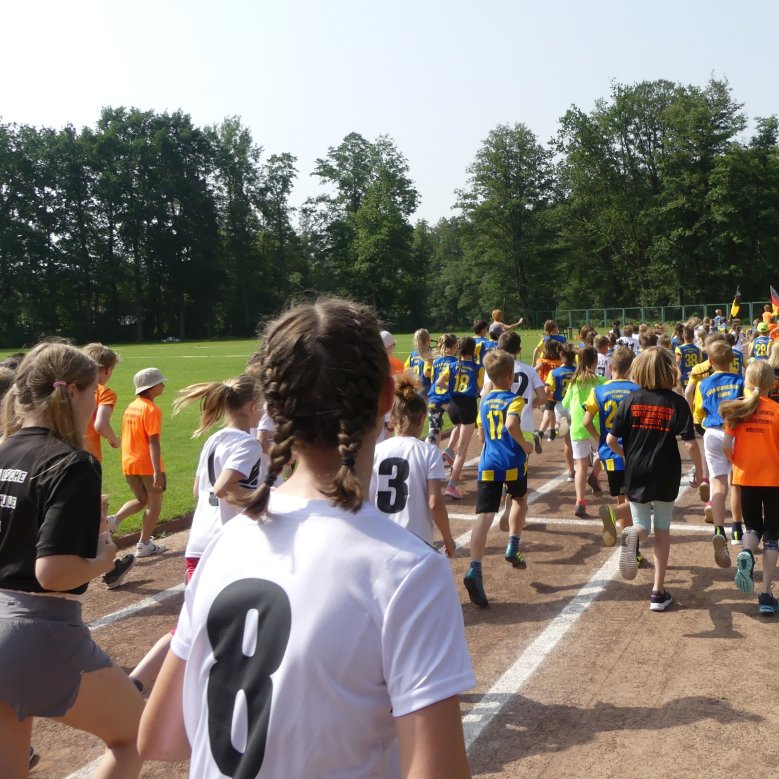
x,y
775,301
735,306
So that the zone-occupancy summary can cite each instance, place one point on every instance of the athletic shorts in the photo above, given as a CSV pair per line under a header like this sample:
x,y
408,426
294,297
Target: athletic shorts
x,y
463,410
760,506
549,405
616,483
489,494
45,648
581,449
715,457
143,486
642,514
561,412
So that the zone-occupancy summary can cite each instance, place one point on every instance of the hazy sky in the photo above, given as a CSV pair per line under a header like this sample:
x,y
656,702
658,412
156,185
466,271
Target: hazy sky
x,y
436,76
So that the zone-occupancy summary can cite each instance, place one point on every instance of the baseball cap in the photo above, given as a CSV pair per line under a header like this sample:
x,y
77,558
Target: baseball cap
x,y
762,328
387,339
147,378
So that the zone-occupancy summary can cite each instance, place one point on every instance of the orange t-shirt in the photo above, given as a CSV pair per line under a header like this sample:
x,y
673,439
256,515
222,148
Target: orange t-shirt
x,y
544,367
767,316
142,419
756,447
396,366
103,397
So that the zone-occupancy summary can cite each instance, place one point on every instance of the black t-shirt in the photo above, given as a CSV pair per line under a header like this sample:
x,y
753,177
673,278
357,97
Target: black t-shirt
x,y
648,422
49,505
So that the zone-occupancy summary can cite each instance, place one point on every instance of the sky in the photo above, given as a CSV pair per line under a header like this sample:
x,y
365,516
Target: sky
x,y
435,76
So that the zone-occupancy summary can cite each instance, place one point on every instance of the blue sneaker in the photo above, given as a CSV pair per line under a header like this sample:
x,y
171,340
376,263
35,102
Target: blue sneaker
x,y
475,587
515,557
745,571
767,604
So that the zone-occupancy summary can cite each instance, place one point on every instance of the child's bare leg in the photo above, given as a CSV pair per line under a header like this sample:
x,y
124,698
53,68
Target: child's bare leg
x,y
719,489
661,550
622,512
568,449
517,514
14,743
582,466
151,515
129,508
479,535
148,669
464,439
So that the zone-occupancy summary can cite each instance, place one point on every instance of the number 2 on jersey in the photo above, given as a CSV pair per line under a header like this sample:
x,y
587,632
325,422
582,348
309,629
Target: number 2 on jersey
x,y
248,626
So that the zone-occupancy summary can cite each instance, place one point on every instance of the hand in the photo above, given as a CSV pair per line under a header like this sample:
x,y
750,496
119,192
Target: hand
x,y
157,482
106,552
116,443
449,547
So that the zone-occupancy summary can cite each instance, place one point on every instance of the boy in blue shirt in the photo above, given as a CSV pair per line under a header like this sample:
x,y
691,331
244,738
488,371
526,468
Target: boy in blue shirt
x,y
503,461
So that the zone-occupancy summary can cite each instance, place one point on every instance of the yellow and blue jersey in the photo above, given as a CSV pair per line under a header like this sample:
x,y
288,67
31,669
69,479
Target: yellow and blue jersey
x,y
420,368
502,458
761,346
558,381
439,396
690,356
483,347
603,403
737,366
710,392
465,378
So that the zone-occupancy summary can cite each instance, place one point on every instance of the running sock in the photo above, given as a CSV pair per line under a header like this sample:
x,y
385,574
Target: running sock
x,y
719,531
513,543
476,565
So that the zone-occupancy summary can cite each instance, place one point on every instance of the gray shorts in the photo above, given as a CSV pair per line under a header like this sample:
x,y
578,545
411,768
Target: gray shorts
x,y
45,647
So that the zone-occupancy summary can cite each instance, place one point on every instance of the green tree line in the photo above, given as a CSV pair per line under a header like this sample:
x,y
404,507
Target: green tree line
x,y
147,226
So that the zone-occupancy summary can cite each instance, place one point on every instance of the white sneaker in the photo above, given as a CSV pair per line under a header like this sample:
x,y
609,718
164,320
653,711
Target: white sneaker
x,y
149,548
112,523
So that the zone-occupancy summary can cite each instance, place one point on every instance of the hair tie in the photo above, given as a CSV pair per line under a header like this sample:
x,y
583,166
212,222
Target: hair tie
x,y
270,479
348,461
59,383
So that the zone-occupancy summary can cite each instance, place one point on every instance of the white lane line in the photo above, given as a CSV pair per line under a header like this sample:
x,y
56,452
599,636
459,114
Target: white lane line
x,y
512,681
132,610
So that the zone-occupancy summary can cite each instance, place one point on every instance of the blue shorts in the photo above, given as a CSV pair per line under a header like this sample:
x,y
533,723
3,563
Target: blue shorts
x,y
642,514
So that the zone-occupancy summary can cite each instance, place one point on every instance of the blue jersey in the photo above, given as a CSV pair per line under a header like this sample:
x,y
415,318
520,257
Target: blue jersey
x,y
737,366
558,381
416,365
675,341
713,390
465,378
603,403
760,347
483,347
690,356
439,396
502,458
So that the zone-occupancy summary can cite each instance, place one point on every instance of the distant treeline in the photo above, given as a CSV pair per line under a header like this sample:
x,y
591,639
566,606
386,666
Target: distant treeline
x,y
146,226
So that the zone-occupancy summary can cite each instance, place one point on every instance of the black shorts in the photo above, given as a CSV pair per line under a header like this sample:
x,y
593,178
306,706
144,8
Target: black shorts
x,y
616,483
549,405
490,493
760,506
463,410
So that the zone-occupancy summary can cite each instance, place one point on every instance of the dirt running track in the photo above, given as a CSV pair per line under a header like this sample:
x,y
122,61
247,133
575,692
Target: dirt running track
x,y
577,678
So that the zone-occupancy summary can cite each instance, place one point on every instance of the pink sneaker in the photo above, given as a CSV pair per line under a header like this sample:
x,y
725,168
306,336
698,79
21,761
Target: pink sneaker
x,y
453,492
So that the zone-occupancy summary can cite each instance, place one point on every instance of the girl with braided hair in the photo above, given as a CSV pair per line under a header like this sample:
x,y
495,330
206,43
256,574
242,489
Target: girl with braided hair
x,y
313,620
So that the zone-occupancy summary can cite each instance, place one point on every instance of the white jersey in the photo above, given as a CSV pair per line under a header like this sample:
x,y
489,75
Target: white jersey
x,y
231,449
526,382
402,466
305,634
631,341
604,368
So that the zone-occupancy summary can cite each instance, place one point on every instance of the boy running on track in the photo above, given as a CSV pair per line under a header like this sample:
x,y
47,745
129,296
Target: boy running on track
x,y
688,355
483,343
503,461
761,343
438,397
549,361
648,422
753,449
408,473
557,385
420,361
346,610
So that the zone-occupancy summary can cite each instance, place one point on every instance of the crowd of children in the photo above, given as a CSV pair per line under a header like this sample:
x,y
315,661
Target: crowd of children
x,y
347,422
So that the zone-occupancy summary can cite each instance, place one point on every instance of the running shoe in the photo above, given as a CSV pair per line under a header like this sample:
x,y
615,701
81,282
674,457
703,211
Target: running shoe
x,y
112,522
736,534
570,477
149,548
515,557
504,517
745,571
592,480
552,434
660,601
448,457
767,604
628,564
580,509
453,492
693,480
704,490
116,576
537,442
475,587
708,514
721,551
609,525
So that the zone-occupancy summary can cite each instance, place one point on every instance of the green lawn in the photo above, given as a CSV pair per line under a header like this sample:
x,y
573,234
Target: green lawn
x,y
183,364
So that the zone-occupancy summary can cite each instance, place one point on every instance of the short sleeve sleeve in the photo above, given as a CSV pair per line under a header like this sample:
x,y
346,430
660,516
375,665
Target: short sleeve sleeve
x,y
106,397
424,655
684,421
567,398
152,420
435,463
535,380
515,407
619,425
243,456
591,404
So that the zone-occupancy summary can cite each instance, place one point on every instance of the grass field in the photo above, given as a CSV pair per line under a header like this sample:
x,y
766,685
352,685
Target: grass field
x,y
183,364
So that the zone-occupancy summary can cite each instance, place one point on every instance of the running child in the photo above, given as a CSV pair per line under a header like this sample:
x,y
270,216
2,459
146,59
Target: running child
x,y
601,344
583,381
648,422
463,380
550,360
688,355
53,542
438,397
142,464
557,385
319,589
408,473
551,333
722,385
483,343
753,449
600,409
503,461
761,343
420,361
